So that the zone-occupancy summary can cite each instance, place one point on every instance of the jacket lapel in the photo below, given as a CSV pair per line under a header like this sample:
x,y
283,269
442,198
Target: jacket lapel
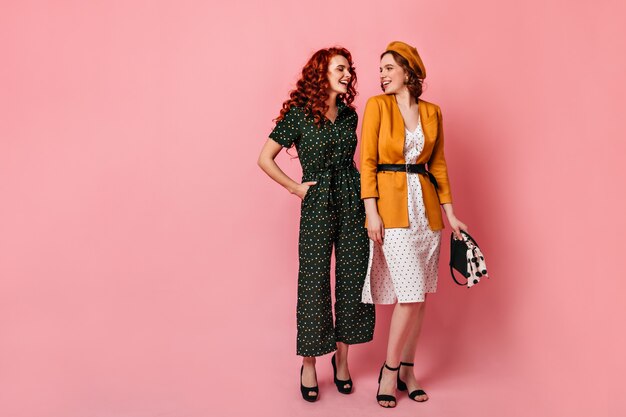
x,y
397,130
430,126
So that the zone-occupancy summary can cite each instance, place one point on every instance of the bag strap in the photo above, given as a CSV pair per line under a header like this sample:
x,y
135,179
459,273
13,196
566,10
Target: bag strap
x,y
452,269
454,278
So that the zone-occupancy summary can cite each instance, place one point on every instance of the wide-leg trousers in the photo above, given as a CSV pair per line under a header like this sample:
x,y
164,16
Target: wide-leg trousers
x,y
326,224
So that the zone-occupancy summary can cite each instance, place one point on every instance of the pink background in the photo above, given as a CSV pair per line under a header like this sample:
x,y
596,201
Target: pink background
x,y
148,267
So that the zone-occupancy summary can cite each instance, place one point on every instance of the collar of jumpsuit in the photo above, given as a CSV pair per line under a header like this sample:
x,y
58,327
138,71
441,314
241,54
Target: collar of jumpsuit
x,y
331,134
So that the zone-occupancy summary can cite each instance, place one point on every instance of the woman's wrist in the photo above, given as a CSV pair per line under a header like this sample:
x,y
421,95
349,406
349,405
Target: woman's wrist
x,y
292,187
371,208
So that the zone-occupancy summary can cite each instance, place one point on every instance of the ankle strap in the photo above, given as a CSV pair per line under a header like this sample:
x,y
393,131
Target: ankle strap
x,y
390,368
406,364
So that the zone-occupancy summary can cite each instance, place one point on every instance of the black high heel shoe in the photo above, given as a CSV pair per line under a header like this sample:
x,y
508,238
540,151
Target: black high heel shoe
x,y
385,397
306,391
402,386
341,385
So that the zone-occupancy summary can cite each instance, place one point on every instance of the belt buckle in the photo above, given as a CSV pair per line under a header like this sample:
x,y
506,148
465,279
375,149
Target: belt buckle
x,y
406,168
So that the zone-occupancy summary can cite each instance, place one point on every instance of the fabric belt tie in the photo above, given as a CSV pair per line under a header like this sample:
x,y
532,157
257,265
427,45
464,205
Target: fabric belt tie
x,y
325,178
409,168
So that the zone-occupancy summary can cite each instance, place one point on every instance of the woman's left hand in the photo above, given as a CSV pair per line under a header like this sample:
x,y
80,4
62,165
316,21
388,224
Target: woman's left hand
x,y
457,225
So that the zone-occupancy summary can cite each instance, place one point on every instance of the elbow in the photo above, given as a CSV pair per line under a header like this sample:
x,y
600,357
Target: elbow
x,y
261,162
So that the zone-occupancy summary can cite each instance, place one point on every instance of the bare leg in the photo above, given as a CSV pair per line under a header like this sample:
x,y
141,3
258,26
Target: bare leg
x,y
408,353
341,358
309,378
404,314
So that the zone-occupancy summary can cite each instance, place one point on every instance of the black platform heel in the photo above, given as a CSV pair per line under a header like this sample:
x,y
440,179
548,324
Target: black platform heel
x,y
306,391
385,397
338,382
402,386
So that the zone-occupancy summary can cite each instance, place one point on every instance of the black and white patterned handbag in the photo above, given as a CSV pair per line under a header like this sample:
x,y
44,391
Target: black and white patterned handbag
x,y
466,258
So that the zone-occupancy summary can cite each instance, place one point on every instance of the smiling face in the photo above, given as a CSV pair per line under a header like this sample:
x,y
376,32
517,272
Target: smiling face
x,y
339,75
392,76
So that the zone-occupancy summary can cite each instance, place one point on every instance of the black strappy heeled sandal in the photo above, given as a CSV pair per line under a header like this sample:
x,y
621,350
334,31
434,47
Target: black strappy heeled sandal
x,y
338,382
402,386
306,391
385,397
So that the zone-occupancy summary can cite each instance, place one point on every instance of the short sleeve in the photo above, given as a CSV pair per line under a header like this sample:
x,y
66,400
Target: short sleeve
x,y
287,131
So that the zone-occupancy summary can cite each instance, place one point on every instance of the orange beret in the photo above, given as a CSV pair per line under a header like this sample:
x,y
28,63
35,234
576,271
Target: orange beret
x,y
410,54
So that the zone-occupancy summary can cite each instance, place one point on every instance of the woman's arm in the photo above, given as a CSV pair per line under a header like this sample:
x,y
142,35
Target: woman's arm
x,y
369,168
369,150
269,166
456,224
437,166
375,227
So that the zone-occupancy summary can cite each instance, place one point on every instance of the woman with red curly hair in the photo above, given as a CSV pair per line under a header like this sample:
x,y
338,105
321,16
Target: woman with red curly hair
x,y
320,122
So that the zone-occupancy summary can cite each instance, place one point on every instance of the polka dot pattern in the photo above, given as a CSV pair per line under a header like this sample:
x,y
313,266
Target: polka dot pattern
x,y
332,217
404,268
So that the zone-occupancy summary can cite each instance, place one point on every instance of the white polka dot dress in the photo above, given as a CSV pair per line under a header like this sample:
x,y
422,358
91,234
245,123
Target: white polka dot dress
x,y
404,268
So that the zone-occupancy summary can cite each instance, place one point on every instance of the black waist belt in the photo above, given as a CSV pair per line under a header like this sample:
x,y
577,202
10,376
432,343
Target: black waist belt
x,y
326,178
330,169
410,168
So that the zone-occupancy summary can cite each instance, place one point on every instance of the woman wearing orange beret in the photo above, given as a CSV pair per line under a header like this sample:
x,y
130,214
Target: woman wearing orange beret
x,y
404,181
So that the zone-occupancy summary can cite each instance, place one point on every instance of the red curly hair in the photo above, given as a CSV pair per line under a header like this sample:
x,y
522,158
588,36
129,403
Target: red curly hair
x,y
311,89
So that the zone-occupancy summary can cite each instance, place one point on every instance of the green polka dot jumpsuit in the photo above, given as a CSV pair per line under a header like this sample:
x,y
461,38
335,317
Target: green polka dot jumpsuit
x,y
332,214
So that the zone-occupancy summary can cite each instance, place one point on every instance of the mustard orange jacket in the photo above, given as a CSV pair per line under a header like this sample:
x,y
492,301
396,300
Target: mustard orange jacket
x,y
382,142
